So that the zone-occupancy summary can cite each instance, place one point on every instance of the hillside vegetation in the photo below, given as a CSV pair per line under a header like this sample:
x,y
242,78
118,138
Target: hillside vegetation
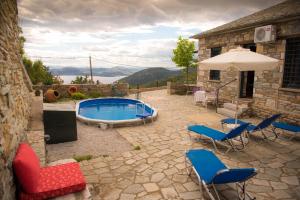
x,y
153,77
149,76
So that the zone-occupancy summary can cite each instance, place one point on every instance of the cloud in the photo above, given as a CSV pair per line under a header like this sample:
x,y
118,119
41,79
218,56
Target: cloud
x,y
108,15
133,32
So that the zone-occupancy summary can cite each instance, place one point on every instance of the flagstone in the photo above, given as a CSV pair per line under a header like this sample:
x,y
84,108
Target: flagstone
x,y
280,194
191,186
170,171
157,177
92,179
124,183
152,196
169,193
259,188
101,170
127,197
141,179
151,187
165,182
279,185
142,167
293,164
152,160
131,161
180,178
113,194
134,189
190,195
260,182
291,180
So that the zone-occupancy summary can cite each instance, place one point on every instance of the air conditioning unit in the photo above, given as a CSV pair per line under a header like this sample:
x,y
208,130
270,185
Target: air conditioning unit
x,y
265,34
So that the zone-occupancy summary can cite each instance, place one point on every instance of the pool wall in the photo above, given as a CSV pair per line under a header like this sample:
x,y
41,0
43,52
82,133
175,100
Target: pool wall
x,y
114,123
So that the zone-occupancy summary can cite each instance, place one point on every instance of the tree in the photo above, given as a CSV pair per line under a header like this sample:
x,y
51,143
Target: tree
x,y
80,80
37,71
183,55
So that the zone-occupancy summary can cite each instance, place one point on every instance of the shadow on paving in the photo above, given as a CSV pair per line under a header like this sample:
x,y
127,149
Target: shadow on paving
x,y
91,141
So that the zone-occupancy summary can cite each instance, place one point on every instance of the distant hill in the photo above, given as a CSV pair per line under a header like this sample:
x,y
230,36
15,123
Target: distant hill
x,y
97,71
149,76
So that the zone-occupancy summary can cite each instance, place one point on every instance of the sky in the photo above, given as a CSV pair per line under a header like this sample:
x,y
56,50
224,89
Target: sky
x,y
140,33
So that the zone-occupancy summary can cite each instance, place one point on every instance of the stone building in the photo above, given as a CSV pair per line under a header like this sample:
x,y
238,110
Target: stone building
x,y
15,88
267,92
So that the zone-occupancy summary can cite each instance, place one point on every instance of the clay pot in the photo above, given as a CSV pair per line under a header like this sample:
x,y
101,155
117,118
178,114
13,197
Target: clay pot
x,y
72,90
51,96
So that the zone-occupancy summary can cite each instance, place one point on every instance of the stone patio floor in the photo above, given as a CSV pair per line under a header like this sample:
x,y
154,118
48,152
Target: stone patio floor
x,y
157,170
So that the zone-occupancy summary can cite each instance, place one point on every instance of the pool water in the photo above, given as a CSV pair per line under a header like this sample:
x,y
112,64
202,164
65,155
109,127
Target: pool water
x,y
113,109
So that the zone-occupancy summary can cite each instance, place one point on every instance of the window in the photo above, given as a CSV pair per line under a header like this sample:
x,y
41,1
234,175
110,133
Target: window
x,y
215,51
291,74
215,74
251,46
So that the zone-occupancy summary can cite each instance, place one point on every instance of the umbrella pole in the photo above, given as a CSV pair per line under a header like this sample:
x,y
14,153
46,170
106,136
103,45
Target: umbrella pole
x,y
237,97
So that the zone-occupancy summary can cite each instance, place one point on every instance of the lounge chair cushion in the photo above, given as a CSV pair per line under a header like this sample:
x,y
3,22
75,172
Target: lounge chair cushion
x,y
57,181
234,175
212,171
209,132
232,121
205,163
250,127
27,168
286,126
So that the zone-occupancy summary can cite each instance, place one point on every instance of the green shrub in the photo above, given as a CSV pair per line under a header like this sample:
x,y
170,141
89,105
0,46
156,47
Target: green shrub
x,y
95,94
82,157
137,147
78,96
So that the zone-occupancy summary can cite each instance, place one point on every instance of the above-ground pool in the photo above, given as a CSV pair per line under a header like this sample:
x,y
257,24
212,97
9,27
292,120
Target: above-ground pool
x,y
114,111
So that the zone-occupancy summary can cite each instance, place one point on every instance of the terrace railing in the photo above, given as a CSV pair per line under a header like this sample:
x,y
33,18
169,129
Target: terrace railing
x,y
218,90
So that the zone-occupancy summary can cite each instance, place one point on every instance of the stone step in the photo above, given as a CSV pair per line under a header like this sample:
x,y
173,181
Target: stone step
x,y
228,112
231,106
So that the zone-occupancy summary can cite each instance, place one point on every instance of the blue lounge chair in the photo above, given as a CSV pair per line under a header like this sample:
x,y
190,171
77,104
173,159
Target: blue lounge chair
x,y
211,171
286,127
218,136
254,128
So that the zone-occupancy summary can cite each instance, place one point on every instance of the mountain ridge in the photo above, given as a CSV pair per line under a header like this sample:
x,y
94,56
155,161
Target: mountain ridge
x,y
149,75
97,71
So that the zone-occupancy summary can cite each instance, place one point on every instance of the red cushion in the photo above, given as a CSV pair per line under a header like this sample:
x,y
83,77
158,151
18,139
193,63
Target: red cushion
x,y
57,181
27,168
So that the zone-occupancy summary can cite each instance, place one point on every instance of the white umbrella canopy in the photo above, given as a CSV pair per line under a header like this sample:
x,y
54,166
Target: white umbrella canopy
x,y
241,59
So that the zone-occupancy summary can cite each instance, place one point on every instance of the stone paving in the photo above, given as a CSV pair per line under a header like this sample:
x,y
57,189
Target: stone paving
x,y
91,141
157,170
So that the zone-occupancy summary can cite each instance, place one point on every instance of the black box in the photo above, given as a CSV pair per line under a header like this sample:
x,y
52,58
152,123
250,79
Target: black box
x,y
59,123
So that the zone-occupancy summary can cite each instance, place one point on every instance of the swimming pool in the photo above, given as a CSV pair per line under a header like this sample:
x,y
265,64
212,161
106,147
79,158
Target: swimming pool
x,y
113,111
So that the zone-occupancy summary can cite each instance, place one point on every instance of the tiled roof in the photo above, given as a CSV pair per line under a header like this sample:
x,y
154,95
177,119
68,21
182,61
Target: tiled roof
x,y
285,10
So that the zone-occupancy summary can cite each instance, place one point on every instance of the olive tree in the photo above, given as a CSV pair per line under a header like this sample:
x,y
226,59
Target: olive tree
x,y
183,55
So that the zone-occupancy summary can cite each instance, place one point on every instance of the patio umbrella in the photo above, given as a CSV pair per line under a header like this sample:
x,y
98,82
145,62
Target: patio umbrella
x,y
242,60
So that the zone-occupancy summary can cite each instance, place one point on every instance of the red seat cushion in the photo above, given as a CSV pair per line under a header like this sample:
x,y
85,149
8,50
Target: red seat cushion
x,y
27,168
57,181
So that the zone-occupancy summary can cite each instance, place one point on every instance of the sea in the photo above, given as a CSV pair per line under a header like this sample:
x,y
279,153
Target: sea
x,y
105,80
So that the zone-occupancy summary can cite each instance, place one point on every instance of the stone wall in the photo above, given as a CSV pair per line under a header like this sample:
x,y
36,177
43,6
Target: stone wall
x,y
268,95
176,88
104,89
134,90
14,96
